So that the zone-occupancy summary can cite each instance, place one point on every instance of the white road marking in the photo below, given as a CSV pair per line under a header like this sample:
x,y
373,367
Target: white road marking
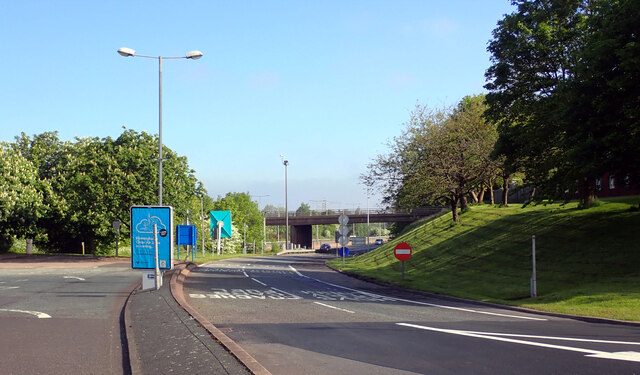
x,y
8,287
426,303
259,282
40,315
333,307
282,291
296,271
74,277
244,272
622,356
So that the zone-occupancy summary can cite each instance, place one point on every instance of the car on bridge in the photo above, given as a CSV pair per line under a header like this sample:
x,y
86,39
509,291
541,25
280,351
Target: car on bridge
x,y
379,241
325,246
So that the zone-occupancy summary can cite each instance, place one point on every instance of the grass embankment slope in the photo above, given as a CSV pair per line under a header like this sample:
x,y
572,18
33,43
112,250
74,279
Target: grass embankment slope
x,y
588,261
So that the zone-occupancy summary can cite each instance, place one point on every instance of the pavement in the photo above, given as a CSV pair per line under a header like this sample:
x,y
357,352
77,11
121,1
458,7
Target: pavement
x,y
166,336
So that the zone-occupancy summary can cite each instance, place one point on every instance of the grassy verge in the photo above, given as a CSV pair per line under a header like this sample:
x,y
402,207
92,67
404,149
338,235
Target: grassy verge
x,y
587,260
124,251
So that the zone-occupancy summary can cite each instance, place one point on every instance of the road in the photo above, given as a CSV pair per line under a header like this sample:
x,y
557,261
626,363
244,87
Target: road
x,y
296,316
63,317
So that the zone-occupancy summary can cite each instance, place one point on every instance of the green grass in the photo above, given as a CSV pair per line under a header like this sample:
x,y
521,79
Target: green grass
x,y
588,261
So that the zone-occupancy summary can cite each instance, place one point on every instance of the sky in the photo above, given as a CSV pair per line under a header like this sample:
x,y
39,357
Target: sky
x,y
325,83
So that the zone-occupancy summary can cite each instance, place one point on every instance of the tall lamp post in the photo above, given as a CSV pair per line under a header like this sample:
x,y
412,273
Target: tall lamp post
x,y
193,55
286,204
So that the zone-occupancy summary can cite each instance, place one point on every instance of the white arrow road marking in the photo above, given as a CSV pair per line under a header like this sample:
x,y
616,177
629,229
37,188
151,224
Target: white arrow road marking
x,y
74,277
423,303
333,307
621,356
40,315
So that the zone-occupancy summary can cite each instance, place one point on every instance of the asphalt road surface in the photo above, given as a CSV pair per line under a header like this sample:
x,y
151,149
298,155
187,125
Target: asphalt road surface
x,y
296,316
63,317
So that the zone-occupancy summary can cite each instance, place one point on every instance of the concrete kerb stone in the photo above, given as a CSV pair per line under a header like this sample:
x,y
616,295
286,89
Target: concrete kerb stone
x,y
131,349
177,290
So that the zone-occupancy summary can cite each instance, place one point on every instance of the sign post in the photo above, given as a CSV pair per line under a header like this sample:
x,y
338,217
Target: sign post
x,y
344,234
403,252
116,227
221,220
152,240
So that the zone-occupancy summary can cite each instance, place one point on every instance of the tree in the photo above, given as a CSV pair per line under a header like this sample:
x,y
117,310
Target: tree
x,y
442,156
563,88
94,181
243,211
21,197
303,210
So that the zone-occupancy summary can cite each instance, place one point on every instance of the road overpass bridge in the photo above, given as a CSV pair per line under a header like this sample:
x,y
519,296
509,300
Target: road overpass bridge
x,y
301,226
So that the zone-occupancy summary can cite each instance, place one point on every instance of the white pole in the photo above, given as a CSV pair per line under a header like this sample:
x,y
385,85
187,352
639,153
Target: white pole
x,y
160,130
202,216
155,243
219,235
534,286
368,229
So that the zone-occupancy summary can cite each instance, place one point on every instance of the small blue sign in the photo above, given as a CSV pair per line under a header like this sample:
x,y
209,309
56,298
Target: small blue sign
x,y
343,250
143,219
186,235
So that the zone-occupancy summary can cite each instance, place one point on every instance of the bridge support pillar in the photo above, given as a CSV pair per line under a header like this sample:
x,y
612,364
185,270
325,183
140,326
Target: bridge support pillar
x,y
302,235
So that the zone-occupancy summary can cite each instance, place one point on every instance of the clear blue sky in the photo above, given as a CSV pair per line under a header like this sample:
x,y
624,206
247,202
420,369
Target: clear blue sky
x,y
325,83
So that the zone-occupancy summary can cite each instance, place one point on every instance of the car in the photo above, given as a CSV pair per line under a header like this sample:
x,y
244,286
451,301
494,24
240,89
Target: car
x,y
325,246
379,241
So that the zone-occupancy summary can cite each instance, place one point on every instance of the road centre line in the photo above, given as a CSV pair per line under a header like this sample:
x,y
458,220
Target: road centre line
x,y
425,303
39,314
622,356
333,307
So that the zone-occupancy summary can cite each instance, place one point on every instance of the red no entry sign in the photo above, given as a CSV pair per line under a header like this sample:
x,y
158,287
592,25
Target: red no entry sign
x,y
402,251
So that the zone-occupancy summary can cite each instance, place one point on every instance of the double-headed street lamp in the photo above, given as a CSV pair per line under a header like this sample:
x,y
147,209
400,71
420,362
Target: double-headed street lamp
x,y
194,55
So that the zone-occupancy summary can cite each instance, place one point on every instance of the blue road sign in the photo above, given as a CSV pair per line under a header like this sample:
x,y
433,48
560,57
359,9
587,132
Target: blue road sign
x,y
142,244
225,217
186,235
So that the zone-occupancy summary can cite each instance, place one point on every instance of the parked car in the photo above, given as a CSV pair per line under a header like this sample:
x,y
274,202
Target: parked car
x,y
325,246
379,241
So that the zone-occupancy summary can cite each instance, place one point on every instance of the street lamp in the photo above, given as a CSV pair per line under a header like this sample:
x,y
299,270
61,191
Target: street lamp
x,y
286,205
194,55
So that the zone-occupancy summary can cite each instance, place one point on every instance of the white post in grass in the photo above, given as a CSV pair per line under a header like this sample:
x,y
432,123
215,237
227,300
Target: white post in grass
x,y
534,287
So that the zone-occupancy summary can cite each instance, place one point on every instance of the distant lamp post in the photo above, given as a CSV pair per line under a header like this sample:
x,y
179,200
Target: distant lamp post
x,y
286,204
194,55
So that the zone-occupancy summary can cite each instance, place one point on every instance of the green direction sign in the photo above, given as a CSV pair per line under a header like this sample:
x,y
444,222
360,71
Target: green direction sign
x,y
225,218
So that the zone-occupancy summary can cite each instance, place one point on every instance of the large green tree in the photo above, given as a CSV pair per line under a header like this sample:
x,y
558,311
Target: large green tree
x,y
95,181
442,156
563,88
22,197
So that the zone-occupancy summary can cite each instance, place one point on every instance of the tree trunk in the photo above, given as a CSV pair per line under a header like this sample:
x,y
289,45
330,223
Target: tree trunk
x,y
474,196
493,199
505,189
463,201
454,210
588,192
481,197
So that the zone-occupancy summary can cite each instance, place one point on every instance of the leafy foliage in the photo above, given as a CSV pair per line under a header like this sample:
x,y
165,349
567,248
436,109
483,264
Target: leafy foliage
x,y
564,92
86,184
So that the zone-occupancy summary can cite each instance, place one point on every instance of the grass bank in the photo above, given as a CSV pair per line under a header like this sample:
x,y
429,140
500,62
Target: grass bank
x,y
588,261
